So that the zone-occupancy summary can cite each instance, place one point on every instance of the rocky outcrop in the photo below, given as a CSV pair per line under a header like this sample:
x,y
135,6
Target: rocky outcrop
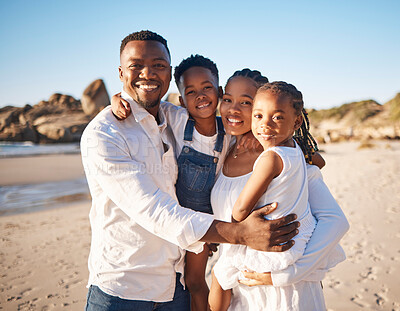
x,y
65,127
95,98
358,120
61,118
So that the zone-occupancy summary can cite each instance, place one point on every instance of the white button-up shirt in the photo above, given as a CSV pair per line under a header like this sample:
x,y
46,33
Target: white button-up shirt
x,y
139,230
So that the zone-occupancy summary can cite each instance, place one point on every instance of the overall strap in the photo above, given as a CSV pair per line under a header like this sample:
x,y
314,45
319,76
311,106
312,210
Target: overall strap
x,y
220,137
188,134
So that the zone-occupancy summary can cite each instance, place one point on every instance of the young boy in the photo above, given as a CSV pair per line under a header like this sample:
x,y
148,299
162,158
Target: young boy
x,y
201,146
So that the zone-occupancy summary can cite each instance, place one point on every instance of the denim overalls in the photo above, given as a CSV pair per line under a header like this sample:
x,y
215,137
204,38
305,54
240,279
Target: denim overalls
x,y
196,171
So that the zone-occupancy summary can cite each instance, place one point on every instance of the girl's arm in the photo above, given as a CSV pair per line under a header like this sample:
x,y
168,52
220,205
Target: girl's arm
x,y
120,107
268,167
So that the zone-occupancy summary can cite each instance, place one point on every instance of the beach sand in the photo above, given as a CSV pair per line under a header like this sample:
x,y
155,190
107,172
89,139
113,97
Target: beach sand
x,y
43,255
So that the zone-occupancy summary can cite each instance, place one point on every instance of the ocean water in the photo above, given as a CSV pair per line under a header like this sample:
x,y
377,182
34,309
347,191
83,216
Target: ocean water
x,y
34,197
8,149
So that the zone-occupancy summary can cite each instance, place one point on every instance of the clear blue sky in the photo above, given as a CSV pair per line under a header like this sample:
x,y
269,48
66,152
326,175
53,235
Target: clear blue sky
x,y
333,51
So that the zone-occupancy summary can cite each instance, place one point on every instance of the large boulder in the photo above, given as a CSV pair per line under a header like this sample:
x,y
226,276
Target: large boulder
x,y
65,127
95,98
64,101
19,132
60,119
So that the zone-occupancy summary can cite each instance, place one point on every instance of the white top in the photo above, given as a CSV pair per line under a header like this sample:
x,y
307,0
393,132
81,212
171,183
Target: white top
x,y
322,249
290,191
177,118
138,228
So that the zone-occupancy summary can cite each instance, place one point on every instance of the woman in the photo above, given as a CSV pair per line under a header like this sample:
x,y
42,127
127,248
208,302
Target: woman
x,y
236,110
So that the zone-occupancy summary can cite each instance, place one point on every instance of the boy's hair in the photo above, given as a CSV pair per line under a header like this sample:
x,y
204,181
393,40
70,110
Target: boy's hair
x,y
195,61
254,75
302,135
144,35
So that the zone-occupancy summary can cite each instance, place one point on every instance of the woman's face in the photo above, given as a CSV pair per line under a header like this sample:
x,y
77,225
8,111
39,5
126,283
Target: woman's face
x,y
236,105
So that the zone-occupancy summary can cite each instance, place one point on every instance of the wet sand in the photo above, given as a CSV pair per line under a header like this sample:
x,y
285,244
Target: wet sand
x,y
43,255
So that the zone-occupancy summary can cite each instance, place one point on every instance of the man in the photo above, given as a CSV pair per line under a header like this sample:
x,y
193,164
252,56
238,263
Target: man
x,y
139,231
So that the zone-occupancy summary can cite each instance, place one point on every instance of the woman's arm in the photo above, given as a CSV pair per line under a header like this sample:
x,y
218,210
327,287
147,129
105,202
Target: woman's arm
x,y
318,160
331,227
268,167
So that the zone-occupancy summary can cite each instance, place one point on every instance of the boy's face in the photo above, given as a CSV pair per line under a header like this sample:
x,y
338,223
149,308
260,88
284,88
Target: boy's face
x,y
274,120
199,92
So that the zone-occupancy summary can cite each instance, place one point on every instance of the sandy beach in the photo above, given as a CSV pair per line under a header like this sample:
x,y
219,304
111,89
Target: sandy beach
x,y
43,255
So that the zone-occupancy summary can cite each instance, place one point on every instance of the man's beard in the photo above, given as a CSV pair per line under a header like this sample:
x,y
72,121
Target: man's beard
x,y
147,104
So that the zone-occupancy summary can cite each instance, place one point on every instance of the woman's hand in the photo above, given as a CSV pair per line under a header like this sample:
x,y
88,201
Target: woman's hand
x,y
120,107
255,278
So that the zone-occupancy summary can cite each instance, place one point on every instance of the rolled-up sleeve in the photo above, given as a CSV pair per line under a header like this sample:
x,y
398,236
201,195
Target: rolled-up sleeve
x,y
128,184
331,227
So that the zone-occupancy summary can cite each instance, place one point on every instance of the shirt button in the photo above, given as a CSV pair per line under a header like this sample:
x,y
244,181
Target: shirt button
x,y
186,150
215,160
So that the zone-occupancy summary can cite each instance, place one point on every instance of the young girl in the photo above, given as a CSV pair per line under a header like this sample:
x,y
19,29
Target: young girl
x,y
276,114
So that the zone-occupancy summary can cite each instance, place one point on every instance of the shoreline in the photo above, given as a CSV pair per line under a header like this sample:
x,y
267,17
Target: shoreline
x,y
40,169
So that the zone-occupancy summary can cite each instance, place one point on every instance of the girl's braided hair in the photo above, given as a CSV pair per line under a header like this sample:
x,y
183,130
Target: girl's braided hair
x,y
302,136
254,75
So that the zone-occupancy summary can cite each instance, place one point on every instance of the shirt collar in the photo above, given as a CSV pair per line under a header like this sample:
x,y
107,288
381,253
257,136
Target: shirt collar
x,y
139,113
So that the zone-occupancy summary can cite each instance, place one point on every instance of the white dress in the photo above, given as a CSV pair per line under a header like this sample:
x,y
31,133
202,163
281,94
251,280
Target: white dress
x,y
289,189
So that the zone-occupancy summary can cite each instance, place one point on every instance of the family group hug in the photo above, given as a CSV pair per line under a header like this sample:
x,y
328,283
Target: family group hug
x,y
171,184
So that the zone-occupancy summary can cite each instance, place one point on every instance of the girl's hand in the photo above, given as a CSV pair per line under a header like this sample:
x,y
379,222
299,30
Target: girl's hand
x,y
120,107
248,141
255,278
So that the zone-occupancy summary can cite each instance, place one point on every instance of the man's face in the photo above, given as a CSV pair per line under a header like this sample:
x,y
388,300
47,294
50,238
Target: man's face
x,y
145,72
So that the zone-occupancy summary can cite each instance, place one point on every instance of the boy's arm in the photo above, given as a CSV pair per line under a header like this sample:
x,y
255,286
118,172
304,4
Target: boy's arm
x,y
268,167
120,107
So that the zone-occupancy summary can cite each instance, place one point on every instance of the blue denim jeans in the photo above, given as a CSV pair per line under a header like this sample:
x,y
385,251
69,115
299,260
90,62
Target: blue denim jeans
x,y
97,300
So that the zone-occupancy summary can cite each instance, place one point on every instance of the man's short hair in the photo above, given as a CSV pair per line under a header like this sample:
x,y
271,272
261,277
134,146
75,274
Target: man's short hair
x,y
144,35
195,61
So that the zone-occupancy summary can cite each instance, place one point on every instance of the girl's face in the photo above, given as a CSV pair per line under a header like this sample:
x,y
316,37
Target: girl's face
x,y
236,105
274,120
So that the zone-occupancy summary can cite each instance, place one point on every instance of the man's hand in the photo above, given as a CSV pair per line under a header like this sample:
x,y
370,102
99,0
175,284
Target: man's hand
x,y
268,235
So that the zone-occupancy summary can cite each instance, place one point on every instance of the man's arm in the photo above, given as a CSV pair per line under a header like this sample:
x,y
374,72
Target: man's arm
x,y
256,231
128,185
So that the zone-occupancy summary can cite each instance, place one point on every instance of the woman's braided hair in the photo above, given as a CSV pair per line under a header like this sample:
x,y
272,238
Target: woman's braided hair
x,y
302,136
254,75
